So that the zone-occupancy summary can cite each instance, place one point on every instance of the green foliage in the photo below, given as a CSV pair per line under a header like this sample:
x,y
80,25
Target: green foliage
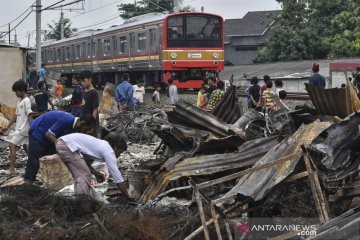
x,y
129,10
55,30
314,29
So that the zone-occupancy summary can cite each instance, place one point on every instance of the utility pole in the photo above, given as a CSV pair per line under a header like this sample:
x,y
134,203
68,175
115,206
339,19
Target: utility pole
x,y
15,39
9,33
61,25
38,34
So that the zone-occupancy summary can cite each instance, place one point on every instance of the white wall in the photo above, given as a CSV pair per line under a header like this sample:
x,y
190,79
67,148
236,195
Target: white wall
x,y
11,69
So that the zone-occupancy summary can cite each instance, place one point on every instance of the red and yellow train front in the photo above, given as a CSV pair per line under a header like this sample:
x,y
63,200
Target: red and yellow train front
x,y
193,48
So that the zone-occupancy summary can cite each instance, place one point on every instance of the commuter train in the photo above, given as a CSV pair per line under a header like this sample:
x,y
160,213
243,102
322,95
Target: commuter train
x,y
153,47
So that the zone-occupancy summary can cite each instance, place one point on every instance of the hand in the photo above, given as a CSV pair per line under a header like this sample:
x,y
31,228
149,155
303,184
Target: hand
x,y
100,177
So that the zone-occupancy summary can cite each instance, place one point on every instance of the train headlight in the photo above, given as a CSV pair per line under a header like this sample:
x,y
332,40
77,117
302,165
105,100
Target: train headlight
x,y
173,55
216,55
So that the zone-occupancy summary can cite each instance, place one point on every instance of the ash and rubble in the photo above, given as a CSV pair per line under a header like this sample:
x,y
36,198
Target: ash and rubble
x,y
196,175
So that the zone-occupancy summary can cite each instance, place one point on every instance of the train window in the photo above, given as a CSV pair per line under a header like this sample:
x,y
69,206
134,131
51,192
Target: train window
x,y
123,45
141,42
68,53
88,50
54,55
115,45
59,54
202,28
152,37
93,49
176,28
107,47
99,48
78,51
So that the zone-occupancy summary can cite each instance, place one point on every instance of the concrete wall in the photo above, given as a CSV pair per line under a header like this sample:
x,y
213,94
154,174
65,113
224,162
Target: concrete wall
x,y
11,70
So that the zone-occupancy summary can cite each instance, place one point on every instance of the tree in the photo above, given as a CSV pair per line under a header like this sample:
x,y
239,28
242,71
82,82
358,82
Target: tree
x,y
55,30
313,29
130,10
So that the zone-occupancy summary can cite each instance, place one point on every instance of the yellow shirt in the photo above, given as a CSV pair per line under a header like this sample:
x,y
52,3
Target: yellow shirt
x,y
268,101
198,99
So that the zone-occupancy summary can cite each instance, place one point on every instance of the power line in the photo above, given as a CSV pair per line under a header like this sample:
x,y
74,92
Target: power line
x,y
17,25
67,4
92,10
18,16
53,5
99,23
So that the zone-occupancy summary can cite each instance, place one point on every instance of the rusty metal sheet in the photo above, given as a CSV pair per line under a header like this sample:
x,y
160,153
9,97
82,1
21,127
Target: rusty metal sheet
x,y
247,154
339,102
195,115
256,185
228,109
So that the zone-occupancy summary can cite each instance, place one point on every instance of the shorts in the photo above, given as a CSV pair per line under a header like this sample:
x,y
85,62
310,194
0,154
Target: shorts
x,y
17,139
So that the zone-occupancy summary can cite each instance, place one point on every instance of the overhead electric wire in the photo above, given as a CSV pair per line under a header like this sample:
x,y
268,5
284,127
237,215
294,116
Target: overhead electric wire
x,y
67,4
53,5
17,24
92,10
99,23
18,16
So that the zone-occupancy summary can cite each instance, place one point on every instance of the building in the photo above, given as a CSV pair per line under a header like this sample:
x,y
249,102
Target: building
x,y
12,68
244,37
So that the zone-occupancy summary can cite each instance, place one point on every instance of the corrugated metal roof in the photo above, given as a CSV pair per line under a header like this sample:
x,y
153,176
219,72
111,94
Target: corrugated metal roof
x,y
339,102
248,154
256,185
228,109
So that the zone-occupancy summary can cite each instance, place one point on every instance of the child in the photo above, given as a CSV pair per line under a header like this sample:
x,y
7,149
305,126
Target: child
x,y
254,93
173,94
202,98
59,90
22,118
156,95
42,98
268,102
278,86
139,91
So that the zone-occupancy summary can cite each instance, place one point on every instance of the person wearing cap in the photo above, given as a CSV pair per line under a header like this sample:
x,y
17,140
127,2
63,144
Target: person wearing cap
x,y
316,79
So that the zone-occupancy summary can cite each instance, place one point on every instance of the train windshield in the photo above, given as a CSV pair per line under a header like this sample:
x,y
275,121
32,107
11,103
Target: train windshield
x,y
194,31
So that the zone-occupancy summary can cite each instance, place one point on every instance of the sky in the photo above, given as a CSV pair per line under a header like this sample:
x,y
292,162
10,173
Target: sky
x,y
103,12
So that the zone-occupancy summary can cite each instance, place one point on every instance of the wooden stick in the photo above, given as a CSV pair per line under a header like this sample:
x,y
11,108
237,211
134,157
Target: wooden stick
x,y
202,214
100,223
216,223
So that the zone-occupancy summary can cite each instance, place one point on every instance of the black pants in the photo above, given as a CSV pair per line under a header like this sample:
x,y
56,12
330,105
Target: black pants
x,y
36,151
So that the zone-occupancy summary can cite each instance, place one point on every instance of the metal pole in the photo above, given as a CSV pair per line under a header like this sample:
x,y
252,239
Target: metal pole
x,y
29,40
38,34
61,25
9,33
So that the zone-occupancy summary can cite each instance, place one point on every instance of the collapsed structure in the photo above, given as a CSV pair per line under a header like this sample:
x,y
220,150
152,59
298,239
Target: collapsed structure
x,y
208,162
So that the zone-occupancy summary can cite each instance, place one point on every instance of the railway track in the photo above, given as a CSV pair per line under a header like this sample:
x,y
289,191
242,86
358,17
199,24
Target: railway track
x,y
290,95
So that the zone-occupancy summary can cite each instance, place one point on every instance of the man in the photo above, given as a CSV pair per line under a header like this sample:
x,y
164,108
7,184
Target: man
x,y
212,86
139,91
42,98
216,96
173,94
90,103
262,90
124,94
77,97
45,130
42,73
78,151
316,79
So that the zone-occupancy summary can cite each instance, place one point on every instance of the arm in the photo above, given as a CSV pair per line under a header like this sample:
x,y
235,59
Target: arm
x,y
51,137
95,112
51,104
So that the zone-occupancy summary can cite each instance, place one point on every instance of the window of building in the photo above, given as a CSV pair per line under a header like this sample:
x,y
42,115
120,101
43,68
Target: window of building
x,y
141,42
176,28
246,48
107,47
123,45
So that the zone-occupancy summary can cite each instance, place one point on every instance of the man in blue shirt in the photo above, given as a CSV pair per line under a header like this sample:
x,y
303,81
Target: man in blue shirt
x,y
43,133
42,73
316,79
124,94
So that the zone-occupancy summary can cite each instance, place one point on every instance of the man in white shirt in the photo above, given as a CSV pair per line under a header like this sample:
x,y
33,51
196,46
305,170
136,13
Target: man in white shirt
x,y
139,91
78,150
173,94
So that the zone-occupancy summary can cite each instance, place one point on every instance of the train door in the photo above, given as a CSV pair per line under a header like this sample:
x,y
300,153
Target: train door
x,y
132,50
